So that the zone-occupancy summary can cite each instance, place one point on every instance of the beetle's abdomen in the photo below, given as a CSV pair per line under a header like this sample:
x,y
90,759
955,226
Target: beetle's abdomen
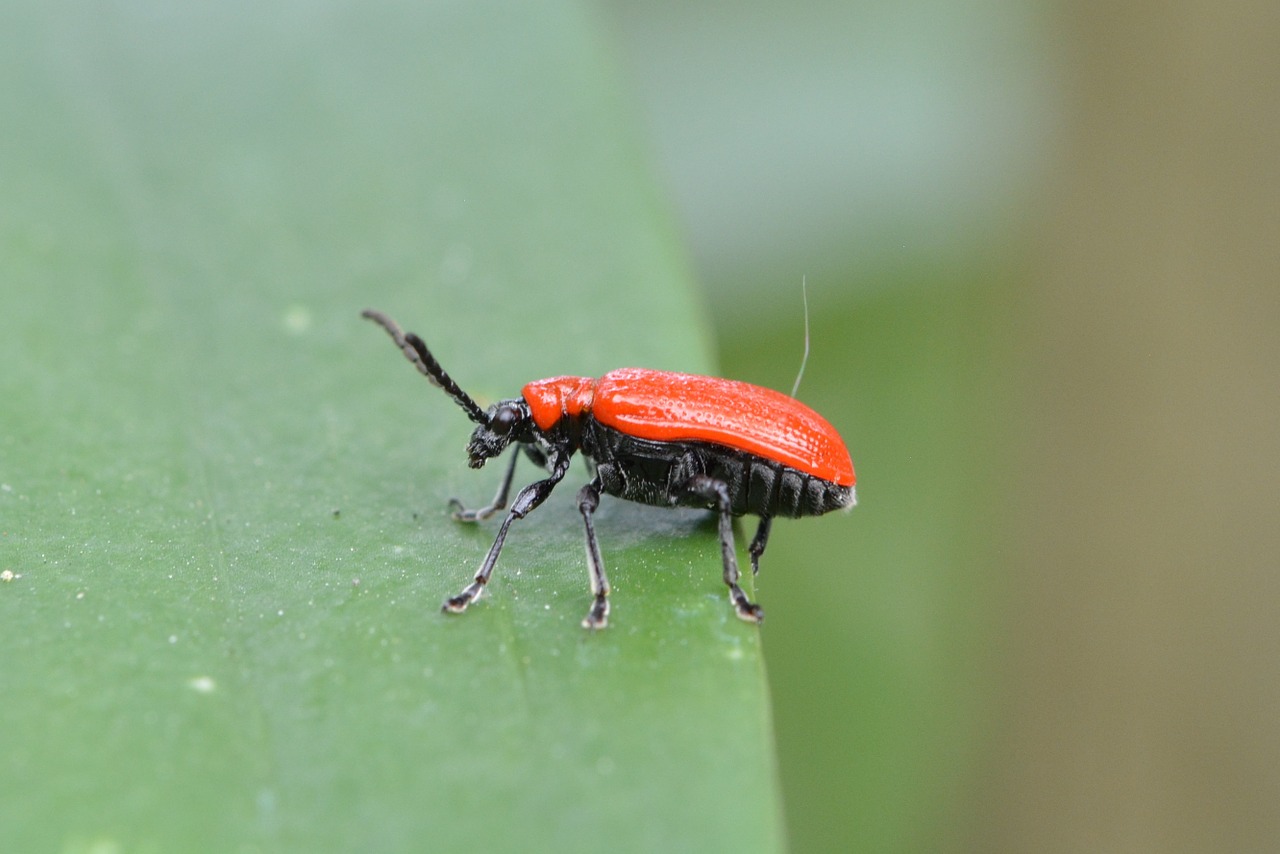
x,y
658,472
671,407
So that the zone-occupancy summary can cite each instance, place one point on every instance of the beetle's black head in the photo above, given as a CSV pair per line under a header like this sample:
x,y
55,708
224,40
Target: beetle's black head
x,y
506,421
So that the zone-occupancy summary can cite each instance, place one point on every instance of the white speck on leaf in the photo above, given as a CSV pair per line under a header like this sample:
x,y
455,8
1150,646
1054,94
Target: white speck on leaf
x,y
296,320
202,684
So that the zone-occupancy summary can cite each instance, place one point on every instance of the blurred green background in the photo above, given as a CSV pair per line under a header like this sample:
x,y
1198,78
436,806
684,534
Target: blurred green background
x,y
1040,247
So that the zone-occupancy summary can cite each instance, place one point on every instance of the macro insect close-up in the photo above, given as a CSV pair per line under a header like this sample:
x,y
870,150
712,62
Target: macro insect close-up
x,y
653,437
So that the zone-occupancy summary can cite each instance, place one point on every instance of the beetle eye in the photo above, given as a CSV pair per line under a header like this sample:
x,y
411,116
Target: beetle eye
x,y
503,420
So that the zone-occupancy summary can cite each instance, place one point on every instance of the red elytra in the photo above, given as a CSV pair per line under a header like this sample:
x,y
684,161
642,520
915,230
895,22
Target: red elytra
x,y
672,407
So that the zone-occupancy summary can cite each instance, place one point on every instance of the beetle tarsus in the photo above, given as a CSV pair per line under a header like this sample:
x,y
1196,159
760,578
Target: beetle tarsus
x,y
458,604
598,616
458,512
746,610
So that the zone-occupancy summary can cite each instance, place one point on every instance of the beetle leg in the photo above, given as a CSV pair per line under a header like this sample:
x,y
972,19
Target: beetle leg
x,y
598,616
717,492
758,543
526,500
462,514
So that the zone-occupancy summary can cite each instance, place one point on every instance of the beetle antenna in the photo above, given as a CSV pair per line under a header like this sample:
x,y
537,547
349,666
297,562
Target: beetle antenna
x,y
804,293
415,350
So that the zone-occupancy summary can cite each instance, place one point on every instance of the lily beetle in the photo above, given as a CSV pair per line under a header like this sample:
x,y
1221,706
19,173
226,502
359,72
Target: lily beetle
x,y
655,437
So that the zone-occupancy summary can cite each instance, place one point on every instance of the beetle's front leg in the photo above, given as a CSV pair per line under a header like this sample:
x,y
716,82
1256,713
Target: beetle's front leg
x,y
461,514
527,499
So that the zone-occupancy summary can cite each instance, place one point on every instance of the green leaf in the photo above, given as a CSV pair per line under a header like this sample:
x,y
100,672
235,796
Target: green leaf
x,y
223,495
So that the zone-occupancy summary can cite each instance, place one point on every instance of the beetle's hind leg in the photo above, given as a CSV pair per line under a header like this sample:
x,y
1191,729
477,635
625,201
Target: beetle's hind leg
x,y
598,616
716,492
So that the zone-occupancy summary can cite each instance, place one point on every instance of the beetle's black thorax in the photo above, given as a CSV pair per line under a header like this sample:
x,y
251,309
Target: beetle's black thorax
x,y
653,472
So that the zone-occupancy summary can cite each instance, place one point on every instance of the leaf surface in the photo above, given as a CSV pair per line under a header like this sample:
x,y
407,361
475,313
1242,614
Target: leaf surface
x,y
223,495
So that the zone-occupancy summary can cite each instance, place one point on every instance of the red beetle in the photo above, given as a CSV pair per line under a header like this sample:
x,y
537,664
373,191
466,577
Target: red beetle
x,y
657,438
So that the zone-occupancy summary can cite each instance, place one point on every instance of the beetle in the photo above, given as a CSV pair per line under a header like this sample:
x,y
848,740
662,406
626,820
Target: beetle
x,y
654,437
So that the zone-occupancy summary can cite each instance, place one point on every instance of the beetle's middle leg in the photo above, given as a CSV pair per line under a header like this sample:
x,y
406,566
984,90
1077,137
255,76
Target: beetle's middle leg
x,y
588,501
